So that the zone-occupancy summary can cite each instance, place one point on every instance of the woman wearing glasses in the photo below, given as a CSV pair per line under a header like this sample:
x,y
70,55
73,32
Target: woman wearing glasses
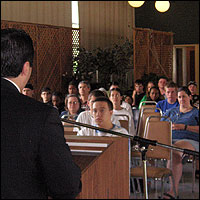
x,y
72,107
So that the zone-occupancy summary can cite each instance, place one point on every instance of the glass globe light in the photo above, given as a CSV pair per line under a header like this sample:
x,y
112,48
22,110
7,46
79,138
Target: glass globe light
x,y
136,4
162,6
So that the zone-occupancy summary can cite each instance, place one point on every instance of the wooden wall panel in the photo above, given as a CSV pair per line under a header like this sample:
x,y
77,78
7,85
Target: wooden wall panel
x,y
153,52
53,54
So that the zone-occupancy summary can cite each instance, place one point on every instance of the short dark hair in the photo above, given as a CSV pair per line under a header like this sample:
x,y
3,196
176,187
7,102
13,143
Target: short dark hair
x,y
185,89
114,83
105,99
192,83
116,89
171,84
73,83
154,87
58,94
29,85
16,49
163,77
96,93
46,89
85,82
139,81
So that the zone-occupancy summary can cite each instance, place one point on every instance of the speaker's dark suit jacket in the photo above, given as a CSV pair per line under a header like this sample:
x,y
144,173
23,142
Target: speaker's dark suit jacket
x,y
35,161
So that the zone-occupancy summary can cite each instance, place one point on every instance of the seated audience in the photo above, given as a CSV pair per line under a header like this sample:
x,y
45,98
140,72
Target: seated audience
x,y
102,110
192,86
57,101
153,95
128,99
185,132
28,90
104,91
72,88
148,87
138,93
86,116
46,95
124,104
116,97
171,98
72,107
162,81
84,90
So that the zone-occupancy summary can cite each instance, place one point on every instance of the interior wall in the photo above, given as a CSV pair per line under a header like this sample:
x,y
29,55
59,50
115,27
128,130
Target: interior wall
x,y
57,13
185,78
104,23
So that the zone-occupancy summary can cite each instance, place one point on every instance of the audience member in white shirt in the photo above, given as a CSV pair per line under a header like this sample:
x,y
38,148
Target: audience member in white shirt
x,y
124,104
102,110
86,116
116,97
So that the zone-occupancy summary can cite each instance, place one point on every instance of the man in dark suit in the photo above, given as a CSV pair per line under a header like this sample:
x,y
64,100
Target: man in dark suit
x,y
36,163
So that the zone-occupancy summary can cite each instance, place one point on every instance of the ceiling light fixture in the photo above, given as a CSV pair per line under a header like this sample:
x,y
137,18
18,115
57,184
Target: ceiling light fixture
x,y
161,6
136,4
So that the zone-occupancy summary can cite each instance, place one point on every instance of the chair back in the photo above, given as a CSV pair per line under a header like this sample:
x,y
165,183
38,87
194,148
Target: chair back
x,y
151,102
142,120
124,124
161,131
124,120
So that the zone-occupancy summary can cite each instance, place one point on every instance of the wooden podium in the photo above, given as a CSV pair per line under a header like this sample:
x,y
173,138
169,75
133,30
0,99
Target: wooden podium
x,y
104,163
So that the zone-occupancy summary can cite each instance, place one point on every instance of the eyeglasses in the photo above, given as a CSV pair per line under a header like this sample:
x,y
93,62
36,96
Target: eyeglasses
x,y
73,102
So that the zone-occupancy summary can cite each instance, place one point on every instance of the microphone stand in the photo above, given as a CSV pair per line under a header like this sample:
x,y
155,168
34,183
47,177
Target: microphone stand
x,y
143,144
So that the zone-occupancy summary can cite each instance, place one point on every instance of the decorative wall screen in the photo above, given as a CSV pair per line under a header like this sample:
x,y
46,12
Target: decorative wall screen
x,y
153,52
53,54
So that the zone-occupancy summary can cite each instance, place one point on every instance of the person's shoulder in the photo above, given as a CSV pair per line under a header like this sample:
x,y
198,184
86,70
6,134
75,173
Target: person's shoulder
x,y
126,104
142,94
84,117
63,113
124,111
119,129
84,113
33,104
172,111
161,103
144,98
195,110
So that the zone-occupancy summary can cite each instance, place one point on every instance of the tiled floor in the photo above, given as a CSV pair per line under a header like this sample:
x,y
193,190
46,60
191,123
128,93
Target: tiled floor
x,y
185,187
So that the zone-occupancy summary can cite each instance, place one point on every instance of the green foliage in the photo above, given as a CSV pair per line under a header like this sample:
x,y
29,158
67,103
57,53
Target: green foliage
x,y
112,61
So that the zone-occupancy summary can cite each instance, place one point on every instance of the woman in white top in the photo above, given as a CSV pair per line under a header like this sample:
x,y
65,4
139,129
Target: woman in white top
x,y
116,97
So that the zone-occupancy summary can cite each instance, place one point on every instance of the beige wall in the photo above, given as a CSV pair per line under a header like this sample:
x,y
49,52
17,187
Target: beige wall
x,y
103,23
57,13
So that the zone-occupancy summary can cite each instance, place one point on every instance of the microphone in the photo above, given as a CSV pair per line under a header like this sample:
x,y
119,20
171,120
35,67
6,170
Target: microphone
x,y
97,128
134,138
